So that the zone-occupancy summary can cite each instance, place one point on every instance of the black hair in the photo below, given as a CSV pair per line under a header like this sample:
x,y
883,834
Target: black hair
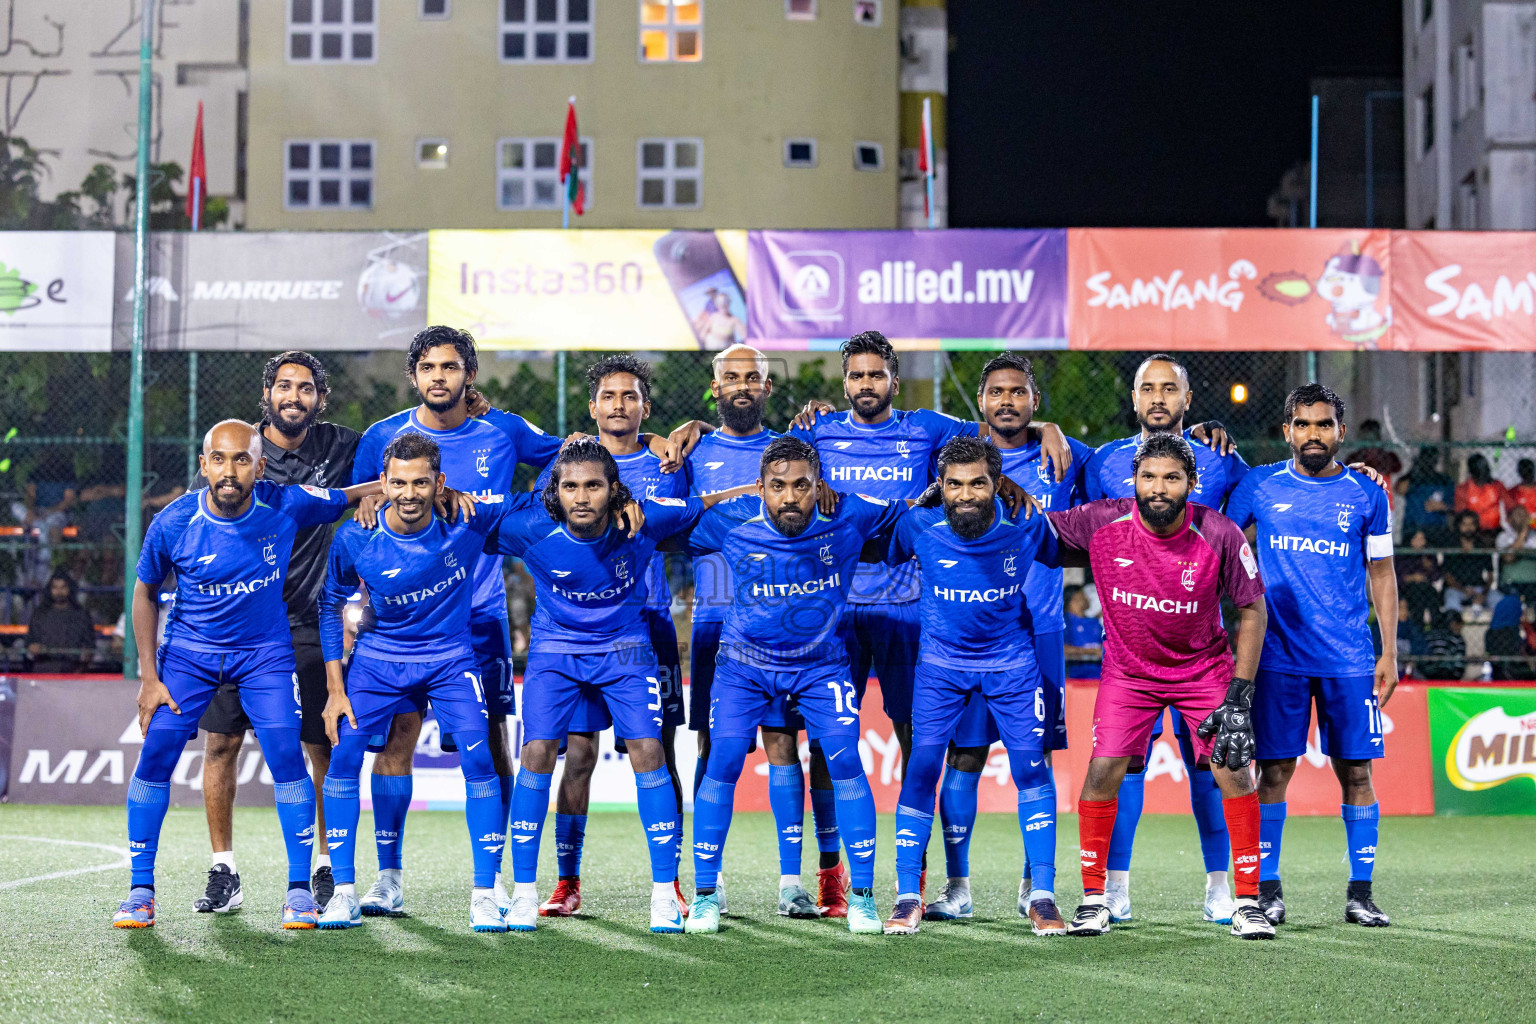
x,y
1478,469
622,363
411,445
789,449
1007,361
60,574
963,451
871,343
462,341
1526,468
591,451
1311,394
296,358
1163,357
1166,446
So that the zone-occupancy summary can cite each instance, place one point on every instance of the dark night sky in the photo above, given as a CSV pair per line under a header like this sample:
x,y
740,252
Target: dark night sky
x,y
1066,113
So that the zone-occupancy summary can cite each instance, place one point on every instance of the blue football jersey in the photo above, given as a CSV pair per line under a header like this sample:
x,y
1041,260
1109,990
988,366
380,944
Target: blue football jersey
x,y
889,460
718,463
479,456
588,594
229,572
790,592
975,597
419,587
1108,473
1314,537
641,473
1025,467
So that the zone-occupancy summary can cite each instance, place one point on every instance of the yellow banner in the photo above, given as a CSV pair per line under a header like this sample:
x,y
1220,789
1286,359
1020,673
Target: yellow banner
x,y
635,290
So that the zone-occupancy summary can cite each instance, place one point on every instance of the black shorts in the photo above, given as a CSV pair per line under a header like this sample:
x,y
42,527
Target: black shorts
x,y
224,714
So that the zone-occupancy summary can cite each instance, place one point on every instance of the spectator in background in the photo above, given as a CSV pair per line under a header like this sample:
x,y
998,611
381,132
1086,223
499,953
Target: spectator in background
x,y
1417,574
60,637
1085,637
1427,496
1445,649
1517,558
1504,638
1524,492
1372,454
1482,494
1468,568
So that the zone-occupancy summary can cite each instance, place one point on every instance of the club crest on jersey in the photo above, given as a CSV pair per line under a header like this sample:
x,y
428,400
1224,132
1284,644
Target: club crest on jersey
x,y
483,462
269,555
450,560
825,554
621,567
1187,577
904,449
1344,511
1043,471
1011,564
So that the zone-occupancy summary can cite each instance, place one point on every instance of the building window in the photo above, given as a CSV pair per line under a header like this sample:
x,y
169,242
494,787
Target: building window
x,y
671,30
1466,211
868,156
546,31
528,173
328,174
431,154
866,12
435,10
1467,84
1426,11
1426,118
800,10
669,174
332,31
799,152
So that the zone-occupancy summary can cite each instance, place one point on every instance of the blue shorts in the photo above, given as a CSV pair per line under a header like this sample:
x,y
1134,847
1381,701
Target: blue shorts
x,y
266,678
1015,698
884,637
703,652
555,686
1348,719
379,689
819,694
976,728
492,642
593,716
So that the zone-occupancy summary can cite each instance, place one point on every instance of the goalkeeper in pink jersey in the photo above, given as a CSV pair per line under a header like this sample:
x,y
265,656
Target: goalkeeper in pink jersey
x,y
1162,566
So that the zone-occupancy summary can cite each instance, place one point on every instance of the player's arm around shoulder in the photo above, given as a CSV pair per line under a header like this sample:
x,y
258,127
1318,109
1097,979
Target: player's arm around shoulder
x,y
709,533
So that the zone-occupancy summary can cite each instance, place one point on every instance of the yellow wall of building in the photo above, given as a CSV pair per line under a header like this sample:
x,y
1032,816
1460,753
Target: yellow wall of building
x,y
763,78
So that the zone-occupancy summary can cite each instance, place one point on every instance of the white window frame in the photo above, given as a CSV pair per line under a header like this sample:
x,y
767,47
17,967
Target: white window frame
x,y
1467,82
671,28
345,175
670,174
800,164
793,15
316,28
529,174
421,11
562,26
437,163
879,156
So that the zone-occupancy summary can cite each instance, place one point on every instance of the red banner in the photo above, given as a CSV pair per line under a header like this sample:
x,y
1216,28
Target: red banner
x,y
1464,290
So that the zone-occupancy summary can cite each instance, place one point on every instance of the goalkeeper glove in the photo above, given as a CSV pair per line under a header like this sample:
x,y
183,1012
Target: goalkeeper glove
x,y
1232,725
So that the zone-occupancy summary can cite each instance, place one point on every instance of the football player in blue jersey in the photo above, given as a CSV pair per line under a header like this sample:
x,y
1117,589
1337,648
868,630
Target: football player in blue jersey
x,y
619,401
229,545
413,646
791,567
1161,396
978,644
1323,533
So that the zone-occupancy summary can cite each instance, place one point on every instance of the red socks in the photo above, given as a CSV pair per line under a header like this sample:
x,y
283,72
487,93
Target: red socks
x,y
1242,814
1095,824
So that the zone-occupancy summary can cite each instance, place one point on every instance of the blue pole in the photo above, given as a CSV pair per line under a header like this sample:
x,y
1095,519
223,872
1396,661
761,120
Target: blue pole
x,y
133,522
1312,215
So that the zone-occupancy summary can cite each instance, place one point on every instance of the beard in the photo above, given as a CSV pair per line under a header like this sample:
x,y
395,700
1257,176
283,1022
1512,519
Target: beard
x,y
789,520
968,522
286,427
587,528
868,404
743,417
227,507
447,404
1160,517
1314,460
1175,419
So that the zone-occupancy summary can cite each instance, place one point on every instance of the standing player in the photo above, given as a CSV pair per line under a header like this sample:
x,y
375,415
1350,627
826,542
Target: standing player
x,y
619,401
977,645
1162,566
791,567
413,645
1324,537
229,546
1161,397
1008,398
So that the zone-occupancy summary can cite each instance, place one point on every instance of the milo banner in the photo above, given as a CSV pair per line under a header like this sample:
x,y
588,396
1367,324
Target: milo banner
x,y
1483,749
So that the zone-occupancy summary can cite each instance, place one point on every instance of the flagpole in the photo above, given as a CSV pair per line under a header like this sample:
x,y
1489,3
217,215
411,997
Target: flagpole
x,y
133,478
565,223
1312,222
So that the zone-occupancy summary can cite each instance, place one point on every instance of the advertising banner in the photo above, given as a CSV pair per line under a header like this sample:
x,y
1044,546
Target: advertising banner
x,y
56,291
631,290
926,289
1483,750
1464,290
271,291
1240,290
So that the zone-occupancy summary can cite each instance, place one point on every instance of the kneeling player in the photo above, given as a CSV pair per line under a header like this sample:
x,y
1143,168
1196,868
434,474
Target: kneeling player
x,y
1162,566
977,639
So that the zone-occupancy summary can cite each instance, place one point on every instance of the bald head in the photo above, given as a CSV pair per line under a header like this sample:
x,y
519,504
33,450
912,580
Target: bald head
x,y
233,435
231,463
738,356
741,388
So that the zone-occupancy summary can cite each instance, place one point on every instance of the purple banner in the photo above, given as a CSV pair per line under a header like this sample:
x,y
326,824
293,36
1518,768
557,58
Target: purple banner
x,y
931,288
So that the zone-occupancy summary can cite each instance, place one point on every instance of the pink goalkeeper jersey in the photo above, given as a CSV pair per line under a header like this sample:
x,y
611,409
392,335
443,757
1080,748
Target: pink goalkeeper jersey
x,y
1162,595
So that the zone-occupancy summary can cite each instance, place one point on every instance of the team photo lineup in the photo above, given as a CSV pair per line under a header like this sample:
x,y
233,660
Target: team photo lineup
x,y
926,551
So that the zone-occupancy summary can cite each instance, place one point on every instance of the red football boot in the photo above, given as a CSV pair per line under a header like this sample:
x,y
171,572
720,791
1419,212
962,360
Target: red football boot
x,y
832,891
564,901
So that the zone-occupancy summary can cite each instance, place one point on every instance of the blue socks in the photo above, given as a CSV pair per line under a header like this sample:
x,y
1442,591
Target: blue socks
x,y
391,800
506,783
296,814
1205,799
147,804
570,830
482,813
856,820
1037,820
530,805
1271,830
957,812
342,809
660,819
913,827
1362,827
712,807
824,814
786,798
1122,842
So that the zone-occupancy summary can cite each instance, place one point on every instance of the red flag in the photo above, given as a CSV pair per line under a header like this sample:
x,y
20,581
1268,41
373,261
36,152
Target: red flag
x,y
570,154
197,185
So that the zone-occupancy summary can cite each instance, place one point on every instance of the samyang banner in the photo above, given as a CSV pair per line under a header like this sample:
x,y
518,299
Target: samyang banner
x,y
922,289
1483,749
56,291
1464,290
